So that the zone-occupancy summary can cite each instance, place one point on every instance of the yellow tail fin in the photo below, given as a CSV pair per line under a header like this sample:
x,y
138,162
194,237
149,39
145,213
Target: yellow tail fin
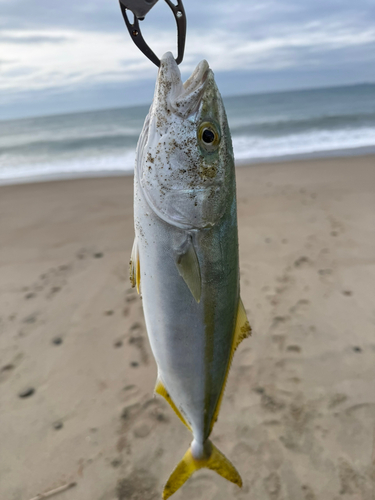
x,y
213,459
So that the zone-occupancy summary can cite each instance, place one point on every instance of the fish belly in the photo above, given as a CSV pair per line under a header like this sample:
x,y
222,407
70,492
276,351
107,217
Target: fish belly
x,y
191,341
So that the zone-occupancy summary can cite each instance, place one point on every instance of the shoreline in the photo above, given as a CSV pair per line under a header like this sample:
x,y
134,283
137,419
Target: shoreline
x,y
93,174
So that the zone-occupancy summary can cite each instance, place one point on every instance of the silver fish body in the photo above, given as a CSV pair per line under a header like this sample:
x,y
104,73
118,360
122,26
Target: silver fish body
x,y
185,254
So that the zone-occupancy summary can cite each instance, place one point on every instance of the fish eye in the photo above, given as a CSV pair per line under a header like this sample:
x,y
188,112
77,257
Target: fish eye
x,y
208,136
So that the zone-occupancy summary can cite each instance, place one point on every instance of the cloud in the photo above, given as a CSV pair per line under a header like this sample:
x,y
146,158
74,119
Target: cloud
x,y
43,14
80,57
35,39
51,46
92,57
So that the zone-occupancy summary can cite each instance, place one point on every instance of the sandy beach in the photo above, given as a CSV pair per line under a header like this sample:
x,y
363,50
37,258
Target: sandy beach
x,y
77,374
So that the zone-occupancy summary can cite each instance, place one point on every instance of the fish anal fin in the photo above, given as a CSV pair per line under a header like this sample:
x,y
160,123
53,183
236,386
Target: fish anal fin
x,y
188,267
213,460
135,267
242,331
162,391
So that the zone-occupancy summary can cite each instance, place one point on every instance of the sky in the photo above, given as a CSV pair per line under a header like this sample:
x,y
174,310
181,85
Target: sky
x,y
60,57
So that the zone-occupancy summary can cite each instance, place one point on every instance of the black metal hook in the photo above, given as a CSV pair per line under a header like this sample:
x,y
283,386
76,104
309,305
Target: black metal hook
x,y
139,9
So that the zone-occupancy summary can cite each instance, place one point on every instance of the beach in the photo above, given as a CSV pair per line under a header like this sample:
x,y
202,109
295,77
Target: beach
x,y
76,370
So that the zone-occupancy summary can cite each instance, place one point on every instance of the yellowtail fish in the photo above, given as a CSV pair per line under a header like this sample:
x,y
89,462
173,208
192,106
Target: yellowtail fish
x,y
185,256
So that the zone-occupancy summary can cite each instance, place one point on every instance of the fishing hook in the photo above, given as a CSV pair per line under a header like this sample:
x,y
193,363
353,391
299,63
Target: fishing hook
x,y
139,9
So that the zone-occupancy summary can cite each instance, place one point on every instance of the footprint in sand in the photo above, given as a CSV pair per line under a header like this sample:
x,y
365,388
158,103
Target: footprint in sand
x,y
294,348
272,485
141,418
29,323
26,393
129,413
277,320
30,319
337,227
271,403
325,272
138,421
302,261
337,399
308,492
141,430
201,487
138,340
5,371
116,462
300,307
131,392
139,485
8,369
131,298
85,253
51,282
350,481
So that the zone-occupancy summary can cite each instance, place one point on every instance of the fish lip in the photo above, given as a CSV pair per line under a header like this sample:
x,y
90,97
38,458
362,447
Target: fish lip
x,y
197,78
169,71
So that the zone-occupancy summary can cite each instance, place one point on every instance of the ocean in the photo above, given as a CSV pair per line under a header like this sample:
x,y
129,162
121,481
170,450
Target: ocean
x,y
265,127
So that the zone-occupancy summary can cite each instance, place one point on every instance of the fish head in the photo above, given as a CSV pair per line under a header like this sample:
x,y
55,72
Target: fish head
x,y
185,164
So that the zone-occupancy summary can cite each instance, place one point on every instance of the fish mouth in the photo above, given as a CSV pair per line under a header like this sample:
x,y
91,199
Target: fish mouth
x,y
181,98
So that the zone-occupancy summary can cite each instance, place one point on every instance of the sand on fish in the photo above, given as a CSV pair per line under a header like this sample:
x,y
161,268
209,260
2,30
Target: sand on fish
x,y
77,374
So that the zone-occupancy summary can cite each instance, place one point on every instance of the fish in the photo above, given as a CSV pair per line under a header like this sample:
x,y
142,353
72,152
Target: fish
x,y
185,259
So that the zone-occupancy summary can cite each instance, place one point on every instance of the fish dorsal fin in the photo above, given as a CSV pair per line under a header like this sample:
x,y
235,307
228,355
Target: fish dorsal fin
x,y
162,391
188,266
242,331
135,267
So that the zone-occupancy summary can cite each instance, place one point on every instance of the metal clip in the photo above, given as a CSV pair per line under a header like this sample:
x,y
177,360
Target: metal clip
x,y
140,8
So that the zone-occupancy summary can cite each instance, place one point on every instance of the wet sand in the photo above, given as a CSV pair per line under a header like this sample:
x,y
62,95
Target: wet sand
x,y
76,371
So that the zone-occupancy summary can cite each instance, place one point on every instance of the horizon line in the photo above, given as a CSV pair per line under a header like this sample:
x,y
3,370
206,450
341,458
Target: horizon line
x,y
226,96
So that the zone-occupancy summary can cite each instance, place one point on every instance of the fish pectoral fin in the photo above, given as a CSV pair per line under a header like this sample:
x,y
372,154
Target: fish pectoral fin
x,y
214,460
162,391
243,329
135,267
188,267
